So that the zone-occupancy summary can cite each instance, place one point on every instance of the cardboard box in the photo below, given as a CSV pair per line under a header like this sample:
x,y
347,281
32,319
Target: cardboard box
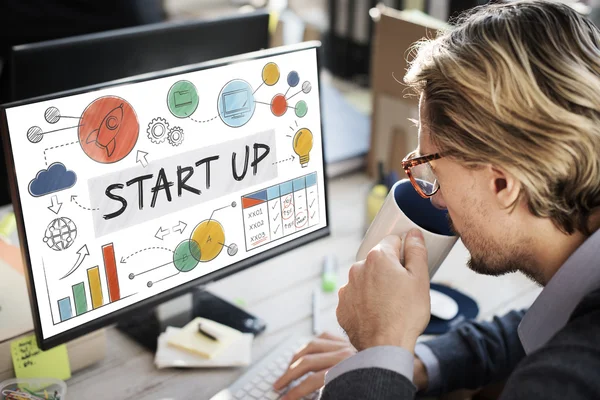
x,y
393,102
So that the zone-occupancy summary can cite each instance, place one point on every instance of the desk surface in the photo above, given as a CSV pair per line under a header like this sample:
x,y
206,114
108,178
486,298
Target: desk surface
x,y
284,301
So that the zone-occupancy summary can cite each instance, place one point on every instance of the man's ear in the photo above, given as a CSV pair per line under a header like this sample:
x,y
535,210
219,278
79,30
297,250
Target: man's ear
x,y
504,186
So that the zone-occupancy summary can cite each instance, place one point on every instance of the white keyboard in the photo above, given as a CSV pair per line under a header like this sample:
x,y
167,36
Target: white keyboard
x,y
257,382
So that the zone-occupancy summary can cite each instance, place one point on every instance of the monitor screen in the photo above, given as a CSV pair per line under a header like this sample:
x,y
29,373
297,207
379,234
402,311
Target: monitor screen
x,y
236,102
128,194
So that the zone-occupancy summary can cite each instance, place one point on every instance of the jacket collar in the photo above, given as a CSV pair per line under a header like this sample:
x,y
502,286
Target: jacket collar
x,y
550,312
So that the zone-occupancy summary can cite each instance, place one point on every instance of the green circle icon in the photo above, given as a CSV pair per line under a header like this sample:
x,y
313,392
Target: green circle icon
x,y
186,256
182,99
301,109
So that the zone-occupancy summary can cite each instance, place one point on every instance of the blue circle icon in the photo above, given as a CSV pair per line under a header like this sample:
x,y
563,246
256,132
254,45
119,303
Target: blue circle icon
x,y
293,79
236,103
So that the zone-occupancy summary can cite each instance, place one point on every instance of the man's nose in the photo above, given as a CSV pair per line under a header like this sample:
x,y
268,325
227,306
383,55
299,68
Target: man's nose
x,y
438,200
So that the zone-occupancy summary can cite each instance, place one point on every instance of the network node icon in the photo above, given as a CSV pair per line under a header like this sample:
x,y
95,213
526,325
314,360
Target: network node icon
x,y
279,105
293,79
306,87
301,109
270,74
157,130
182,99
236,103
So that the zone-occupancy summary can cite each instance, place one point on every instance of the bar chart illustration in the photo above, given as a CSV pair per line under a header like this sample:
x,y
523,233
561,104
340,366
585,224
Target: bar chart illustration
x,y
281,210
88,296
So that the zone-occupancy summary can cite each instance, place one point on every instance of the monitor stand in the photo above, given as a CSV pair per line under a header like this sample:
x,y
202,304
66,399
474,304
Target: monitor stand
x,y
146,325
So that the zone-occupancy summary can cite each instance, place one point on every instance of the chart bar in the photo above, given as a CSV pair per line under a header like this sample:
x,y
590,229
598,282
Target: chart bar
x,y
79,298
64,309
95,287
112,278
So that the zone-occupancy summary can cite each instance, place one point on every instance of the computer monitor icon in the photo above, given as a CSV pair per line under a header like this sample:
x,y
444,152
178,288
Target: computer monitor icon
x,y
236,103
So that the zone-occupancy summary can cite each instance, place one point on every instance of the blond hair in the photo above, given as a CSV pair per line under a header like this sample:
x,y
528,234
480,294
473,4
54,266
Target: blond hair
x,y
518,85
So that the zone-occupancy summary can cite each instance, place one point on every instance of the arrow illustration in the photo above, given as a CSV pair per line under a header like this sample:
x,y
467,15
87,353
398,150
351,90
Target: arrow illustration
x,y
55,206
161,233
141,158
85,208
124,259
180,227
287,159
83,251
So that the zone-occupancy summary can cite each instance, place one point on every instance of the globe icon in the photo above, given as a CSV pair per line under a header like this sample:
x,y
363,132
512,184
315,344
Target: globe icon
x,y
60,234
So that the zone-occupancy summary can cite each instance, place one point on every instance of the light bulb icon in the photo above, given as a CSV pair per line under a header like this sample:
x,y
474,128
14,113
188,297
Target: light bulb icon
x,y
303,143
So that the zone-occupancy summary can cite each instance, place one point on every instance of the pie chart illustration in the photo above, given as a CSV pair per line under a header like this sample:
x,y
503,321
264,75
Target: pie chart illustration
x,y
108,129
210,237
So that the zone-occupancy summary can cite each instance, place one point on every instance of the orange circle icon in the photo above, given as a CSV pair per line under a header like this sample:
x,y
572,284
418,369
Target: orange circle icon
x,y
108,129
279,105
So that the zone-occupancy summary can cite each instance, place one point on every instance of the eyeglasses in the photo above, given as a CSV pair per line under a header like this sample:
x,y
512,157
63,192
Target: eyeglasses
x,y
421,174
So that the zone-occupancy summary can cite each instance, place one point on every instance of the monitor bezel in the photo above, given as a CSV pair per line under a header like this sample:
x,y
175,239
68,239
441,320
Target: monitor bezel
x,y
159,298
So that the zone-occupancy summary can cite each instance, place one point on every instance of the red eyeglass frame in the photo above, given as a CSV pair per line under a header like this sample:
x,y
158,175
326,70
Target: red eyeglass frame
x,y
408,163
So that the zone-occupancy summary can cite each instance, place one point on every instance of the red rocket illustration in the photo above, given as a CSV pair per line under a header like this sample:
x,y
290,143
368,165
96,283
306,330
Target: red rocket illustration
x,y
105,135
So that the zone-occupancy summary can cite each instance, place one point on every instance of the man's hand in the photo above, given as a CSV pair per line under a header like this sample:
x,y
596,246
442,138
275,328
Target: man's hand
x,y
385,303
317,357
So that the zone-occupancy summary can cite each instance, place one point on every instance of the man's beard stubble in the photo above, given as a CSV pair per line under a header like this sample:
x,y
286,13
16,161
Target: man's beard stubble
x,y
489,258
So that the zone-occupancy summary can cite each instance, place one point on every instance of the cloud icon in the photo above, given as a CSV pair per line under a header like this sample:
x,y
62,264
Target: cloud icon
x,y
53,179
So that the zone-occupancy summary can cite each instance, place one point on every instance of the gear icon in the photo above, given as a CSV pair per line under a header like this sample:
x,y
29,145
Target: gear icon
x,y
157,130
175,136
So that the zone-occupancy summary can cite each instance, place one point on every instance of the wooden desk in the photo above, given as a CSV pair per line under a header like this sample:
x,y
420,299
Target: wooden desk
x,y
279,291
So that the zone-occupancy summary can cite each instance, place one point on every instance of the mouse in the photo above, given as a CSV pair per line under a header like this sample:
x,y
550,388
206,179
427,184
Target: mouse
x,y
442,305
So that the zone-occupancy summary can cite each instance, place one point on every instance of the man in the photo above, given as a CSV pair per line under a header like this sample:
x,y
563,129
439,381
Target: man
x,y
510,120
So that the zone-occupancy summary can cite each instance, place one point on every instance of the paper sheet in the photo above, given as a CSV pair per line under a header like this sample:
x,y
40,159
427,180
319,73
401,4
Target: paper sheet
x,y
188,338
238,353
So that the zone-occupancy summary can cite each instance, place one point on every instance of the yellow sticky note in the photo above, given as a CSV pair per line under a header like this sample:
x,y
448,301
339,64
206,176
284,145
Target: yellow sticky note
x,y
188,338
31,362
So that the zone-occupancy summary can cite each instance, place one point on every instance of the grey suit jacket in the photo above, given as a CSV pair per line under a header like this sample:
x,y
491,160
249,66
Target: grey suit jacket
x,y
566,367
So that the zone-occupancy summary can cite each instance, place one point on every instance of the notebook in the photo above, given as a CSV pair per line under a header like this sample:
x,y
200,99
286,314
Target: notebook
x,y
238,353
188,338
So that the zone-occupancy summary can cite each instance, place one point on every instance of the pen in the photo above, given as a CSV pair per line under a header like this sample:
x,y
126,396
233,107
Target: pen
x,y
316,307
204,331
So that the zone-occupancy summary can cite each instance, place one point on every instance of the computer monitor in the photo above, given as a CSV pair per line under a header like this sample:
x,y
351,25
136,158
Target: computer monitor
x,y
235,103
130,193
62,64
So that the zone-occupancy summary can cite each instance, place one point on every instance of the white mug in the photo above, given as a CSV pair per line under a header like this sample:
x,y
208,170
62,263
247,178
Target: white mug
x,y
403,210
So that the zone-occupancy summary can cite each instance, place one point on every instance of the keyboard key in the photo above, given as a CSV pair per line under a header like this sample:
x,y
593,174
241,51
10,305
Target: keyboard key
x,y
248,387
256,380
264,373
272,395
240,394
257,394
272,367
264,386
271,379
